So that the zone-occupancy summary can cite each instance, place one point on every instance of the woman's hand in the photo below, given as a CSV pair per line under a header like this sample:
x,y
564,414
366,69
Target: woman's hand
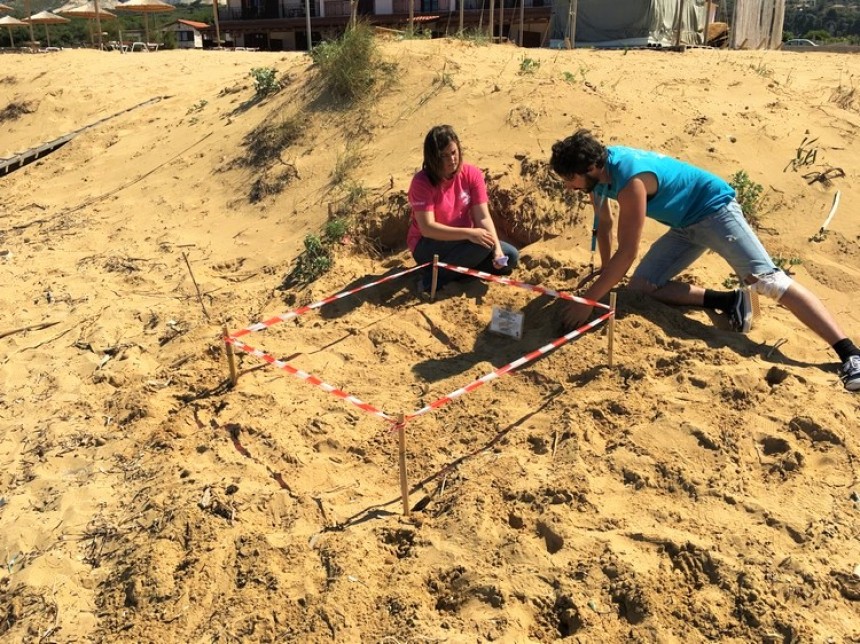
x,y
575,315
482,237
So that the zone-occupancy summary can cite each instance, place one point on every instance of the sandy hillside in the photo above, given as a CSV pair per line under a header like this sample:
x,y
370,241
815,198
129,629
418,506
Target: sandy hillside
x,y
703,488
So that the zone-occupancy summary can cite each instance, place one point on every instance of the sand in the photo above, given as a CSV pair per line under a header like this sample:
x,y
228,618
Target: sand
x,y
704,487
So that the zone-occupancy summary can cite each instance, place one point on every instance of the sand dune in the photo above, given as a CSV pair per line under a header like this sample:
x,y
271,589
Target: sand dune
x,y
703,488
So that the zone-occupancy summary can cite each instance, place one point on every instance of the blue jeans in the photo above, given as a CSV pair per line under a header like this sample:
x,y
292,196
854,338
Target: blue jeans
x,y
726,232
462,253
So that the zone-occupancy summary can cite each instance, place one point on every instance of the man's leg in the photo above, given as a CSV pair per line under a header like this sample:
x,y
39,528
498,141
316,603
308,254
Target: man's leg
x,y
668,256
733,239
680,247
807,308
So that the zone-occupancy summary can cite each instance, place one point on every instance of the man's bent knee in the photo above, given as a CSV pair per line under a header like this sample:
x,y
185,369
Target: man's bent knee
x,y
772,285
640,285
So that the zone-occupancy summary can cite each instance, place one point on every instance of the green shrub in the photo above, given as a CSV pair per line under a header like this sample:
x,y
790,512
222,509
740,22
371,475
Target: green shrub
x,y
349,67
748,194
818,35
313,262
198,106
416,34
317,258
529,65
264,80
785,264
335,230
474,36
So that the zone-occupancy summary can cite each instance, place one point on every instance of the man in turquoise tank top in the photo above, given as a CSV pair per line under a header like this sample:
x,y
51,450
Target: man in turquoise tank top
x,y
702,214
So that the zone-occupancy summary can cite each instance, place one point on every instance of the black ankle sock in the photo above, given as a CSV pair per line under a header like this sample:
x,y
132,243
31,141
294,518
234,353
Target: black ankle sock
x,y
722,300
845,349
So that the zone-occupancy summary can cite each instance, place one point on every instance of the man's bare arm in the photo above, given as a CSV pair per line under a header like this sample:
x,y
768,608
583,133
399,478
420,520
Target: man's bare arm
x,y
632,202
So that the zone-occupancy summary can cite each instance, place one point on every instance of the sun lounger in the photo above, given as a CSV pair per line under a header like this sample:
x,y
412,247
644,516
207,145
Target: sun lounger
x,y
145,46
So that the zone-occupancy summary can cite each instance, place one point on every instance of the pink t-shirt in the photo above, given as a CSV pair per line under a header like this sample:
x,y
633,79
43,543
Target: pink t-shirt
x,y
451,201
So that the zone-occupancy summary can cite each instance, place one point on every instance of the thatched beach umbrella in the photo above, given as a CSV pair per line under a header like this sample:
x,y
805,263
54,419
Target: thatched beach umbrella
x,y
6,9
145,7
47,18
89,10
9,22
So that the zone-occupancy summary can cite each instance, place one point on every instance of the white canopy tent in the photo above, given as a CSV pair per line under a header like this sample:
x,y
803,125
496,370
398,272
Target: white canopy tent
x,y
664,23
630,23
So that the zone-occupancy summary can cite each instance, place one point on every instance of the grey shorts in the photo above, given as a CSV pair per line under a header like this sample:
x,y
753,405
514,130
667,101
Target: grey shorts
x,y
726,232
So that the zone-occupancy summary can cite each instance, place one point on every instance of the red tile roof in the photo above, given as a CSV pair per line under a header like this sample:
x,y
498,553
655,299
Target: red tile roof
x,y
191,23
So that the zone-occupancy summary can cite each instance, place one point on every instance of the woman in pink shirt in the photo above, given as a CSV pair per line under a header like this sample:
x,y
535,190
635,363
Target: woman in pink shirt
x,y
450,217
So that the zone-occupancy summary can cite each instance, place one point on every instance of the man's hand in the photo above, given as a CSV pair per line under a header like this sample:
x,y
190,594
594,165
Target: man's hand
x,y
575,315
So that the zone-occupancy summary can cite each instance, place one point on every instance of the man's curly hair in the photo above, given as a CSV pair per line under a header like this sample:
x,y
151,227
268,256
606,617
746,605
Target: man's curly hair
x,y
577,154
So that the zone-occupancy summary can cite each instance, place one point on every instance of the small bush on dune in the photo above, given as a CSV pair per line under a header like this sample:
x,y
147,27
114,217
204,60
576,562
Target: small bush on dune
x,y
474,36
528,66
318,256
748,195
349,66
264,80
417,34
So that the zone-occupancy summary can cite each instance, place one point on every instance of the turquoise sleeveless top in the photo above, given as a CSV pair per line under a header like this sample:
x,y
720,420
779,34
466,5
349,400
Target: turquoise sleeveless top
x,y
685,194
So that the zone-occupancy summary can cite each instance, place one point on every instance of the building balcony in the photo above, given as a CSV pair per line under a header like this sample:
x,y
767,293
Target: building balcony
x,y
268,11
390,11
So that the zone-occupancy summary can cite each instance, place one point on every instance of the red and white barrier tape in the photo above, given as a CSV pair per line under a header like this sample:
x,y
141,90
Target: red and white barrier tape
x,y
307,377
519,362
489,277
289,315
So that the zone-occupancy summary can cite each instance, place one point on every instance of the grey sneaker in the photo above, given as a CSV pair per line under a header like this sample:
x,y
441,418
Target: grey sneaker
x,y
850,373
741,313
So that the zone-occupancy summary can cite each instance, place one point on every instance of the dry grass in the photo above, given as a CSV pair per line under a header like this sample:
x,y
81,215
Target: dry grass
x,y
266,143
15,110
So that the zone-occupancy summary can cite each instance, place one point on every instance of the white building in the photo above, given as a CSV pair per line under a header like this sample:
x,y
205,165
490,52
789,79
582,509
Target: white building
x,y
188,33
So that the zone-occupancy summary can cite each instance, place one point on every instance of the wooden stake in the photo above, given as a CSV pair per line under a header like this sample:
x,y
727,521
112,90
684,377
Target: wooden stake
x,y
32,327
435,278
404,485
197,288
612,297
231,359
